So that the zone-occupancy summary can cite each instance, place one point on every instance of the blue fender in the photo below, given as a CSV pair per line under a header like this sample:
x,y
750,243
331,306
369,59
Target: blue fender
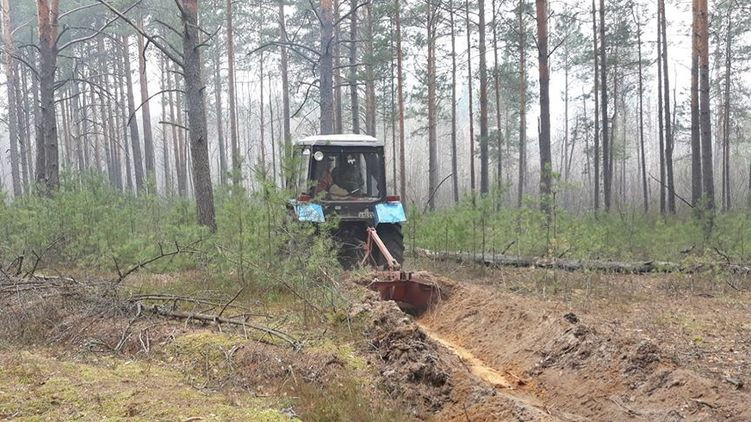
x,y
390,213
307,211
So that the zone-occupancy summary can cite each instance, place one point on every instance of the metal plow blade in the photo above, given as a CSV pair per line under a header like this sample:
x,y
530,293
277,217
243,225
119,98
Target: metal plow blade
x,y
410,293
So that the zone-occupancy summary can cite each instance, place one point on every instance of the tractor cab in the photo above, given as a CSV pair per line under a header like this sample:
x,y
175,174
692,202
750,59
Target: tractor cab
x,y
344,175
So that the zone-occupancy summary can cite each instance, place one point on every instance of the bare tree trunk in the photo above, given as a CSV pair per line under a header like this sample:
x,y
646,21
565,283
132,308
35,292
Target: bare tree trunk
x,y
370,97
497,91
668,126
354,104
287,134
696,178
546,170
220,118
47,14
484,173
432,18
400,95
271,129
596,157
165,85
148,136
233,131
199,147
179,142
607,167
704,104
522,105
121,119
327,64
338,123
95,131
661,118
470,101
135,142
262,125
726,118
22,96
11,83
454,166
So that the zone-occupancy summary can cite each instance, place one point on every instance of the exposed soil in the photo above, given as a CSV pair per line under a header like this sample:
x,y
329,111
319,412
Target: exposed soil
x,y
572,362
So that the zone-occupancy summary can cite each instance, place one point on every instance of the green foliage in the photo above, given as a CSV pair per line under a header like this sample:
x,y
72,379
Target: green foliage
x,y
627,235
89,224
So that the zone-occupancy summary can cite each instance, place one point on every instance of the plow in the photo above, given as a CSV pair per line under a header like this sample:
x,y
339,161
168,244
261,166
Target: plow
x,y
343,178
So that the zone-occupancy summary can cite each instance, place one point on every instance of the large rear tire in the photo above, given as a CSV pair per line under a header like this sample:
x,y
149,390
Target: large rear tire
x,y
391,235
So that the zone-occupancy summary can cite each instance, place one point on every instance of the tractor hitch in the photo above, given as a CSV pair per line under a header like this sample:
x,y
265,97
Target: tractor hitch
x,y
405,288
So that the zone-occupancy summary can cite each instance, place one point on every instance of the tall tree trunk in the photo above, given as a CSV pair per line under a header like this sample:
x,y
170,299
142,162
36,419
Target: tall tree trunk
x,y
135,142
726,117
497,91
338,123
661,118
370,97
643,166
220,118
596,137
47,14
180,159
470,102
11,84
287,134
271,130
122,115
148,136
696,177
400,95
165,85
199,147
23,93
522,105
233,130
262,125
327,64
704,101
546,178
666,103
484,174
354,103
432,19
454,166
607,164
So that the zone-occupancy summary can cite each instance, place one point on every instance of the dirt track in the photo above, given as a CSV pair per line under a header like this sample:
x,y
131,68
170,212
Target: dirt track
x,y
519,357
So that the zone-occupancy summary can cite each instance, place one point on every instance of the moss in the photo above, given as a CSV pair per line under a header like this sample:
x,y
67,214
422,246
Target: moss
x,y
37,387
345,352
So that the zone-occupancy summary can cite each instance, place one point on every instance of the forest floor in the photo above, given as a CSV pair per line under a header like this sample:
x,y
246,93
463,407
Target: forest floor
x,y
504,344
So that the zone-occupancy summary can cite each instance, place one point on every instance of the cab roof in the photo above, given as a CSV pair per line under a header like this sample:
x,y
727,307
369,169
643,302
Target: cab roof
x,y
344,139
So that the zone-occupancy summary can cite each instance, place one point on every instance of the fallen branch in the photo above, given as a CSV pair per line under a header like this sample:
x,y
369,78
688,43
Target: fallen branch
x,y
216,319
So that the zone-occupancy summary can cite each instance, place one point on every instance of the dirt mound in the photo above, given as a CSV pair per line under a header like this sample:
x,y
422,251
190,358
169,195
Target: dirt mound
x,y
577,365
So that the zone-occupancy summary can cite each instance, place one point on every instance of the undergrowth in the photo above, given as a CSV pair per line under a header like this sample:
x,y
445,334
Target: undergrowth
x,y
618,235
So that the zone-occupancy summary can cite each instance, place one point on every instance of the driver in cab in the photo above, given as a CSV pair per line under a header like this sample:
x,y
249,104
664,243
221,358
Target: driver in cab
x,y
344,180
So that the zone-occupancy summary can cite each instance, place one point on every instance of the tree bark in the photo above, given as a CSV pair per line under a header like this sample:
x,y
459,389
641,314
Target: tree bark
x,y
47,15
148,136
470,102
661,118
668,126
338,123
522,105
327,64
726,117
400,95
704,104
11,83
607,165
696,177
233,130
370,97
484,173
220,118
596,137
432,18
287,134
165,84
354,103
454,165
497,91
199,147
645,193
135,142
546,178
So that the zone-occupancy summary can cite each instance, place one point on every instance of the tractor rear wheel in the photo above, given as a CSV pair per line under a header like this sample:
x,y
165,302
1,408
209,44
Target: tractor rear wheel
x,y
391,235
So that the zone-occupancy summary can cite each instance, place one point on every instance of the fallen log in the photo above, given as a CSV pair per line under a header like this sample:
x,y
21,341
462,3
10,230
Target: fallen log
x,y
640,267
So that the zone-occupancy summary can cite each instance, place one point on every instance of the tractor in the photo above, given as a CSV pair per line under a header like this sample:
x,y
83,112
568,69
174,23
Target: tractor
x,y
343,177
